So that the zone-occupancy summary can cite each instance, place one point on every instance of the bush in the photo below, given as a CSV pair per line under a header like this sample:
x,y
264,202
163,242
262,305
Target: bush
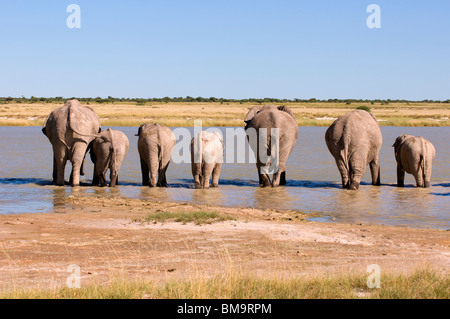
x,y
363,107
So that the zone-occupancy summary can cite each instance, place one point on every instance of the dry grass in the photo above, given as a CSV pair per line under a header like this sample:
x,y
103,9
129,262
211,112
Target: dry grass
x,y
230,114
196,217
422,284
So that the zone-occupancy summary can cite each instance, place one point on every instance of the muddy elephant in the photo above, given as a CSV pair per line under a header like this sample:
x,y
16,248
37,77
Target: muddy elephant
x,y
108,152
414,155
261,122
155,145
355,140
70,129
206,158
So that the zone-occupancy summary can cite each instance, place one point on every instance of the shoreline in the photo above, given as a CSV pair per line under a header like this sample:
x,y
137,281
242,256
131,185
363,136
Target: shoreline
x,y
107,236
215,114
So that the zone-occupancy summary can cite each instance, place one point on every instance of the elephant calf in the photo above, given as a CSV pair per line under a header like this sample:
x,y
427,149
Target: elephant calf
x,y
355,140
155,145
206,158
414,156
108,152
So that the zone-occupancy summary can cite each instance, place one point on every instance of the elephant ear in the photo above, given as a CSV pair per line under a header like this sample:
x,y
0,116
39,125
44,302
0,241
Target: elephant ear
x,y
287,110
140,130
252,113
82,119
398,143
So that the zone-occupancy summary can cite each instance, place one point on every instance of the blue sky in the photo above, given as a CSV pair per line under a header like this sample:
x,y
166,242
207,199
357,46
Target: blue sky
x,y
232,49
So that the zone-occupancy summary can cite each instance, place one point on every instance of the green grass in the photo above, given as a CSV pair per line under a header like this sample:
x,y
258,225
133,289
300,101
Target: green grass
x,y
422,284
197,217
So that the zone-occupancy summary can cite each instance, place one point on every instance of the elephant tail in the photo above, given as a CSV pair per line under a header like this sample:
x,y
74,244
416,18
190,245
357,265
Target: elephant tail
x,y
423,162
113,154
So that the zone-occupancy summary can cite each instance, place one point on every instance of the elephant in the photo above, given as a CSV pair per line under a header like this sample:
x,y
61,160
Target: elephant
x,y
108,152
354,139
206,158
260,124
155,145
414,155
70,129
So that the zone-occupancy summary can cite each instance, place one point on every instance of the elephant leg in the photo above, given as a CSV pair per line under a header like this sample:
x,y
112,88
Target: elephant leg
x,y
54,171
344,172
400,176
162,182
418,175
114,179
283,178
356,166
355,178
264,180
277,176
60,158
375,172
102,178
100,167
207,172
79,151
82,168
145,173
196,173
153,160
95,178
216,175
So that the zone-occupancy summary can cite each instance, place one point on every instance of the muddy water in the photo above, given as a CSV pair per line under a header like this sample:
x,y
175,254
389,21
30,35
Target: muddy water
x,y
313,182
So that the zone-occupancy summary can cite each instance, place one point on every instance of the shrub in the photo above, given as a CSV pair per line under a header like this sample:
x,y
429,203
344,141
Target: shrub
x,y
363,107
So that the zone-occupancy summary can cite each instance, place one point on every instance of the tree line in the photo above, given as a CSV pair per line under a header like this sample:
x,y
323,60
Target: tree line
x,y
143,101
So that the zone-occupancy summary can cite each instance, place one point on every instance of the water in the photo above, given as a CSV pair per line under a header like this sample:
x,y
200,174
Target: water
x,y
313,181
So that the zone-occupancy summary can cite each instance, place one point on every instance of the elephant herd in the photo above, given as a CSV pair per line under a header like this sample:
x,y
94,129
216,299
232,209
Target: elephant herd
x,y
354,140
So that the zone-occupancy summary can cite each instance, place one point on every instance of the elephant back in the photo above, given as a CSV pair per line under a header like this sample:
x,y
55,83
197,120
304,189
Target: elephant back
x,y
82,120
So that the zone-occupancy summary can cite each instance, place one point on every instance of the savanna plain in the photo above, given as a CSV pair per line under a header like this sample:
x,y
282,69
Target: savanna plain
x,y
136,248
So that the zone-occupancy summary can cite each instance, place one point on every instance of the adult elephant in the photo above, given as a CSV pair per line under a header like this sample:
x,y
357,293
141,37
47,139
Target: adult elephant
x,y
261,122
155,145
355,140
108,152
414,155
70,129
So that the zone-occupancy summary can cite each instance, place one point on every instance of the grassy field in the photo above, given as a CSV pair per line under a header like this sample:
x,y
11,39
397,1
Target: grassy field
x,y
176,114
422,284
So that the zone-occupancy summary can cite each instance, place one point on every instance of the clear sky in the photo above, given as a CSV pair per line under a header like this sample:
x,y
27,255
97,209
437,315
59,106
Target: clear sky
x,y
225,48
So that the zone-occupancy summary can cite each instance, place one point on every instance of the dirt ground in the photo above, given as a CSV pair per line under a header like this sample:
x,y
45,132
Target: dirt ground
x,y
107,238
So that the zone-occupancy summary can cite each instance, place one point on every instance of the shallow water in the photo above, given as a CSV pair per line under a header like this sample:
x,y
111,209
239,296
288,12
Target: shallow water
x,y
313,181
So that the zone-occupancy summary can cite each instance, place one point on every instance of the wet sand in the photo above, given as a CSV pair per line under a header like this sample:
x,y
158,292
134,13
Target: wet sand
x,y
107,238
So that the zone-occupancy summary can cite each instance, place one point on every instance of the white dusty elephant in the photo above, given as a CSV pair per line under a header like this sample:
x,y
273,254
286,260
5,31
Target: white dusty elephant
x,y
108,152
70,129
206,158
355,140
260,124
155,145
414,156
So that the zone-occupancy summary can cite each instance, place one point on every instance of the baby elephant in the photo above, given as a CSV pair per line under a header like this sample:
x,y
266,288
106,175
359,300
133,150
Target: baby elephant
x,y
206,158
108,151
415,156
155,145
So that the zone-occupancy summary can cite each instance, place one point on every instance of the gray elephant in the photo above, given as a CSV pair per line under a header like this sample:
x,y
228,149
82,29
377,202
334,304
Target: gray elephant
x,y
260,124
108,152
206,158
70,129
355,140
414,156
155,145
